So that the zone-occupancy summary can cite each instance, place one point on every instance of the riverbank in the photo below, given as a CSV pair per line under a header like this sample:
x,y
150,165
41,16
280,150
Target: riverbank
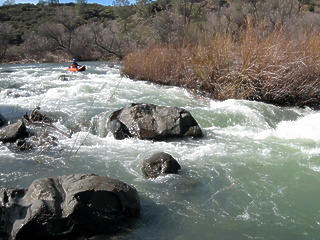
x,y
279,68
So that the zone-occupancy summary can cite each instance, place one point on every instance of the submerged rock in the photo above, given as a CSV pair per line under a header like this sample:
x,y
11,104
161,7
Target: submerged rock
x,y
158,164
64,77
68,207
148,121
13,132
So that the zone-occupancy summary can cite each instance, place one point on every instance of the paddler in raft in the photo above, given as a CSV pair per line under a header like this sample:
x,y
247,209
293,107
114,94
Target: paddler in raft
x,y
76,67
74,64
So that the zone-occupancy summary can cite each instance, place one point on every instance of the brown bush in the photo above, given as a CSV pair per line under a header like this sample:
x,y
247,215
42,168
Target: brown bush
x,y
277,67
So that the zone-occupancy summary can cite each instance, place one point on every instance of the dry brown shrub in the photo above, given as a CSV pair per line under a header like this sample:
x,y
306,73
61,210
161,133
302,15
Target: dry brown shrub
x,y
277,67
156,63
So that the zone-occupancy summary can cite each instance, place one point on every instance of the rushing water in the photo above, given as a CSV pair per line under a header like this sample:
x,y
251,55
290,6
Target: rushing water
x,y
254,175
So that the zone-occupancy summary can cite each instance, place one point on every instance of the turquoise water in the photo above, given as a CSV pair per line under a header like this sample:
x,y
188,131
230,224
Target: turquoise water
x,y
254,175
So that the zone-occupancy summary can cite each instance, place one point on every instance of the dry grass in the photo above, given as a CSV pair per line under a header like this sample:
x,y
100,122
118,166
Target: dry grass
x,y
277,68
158,64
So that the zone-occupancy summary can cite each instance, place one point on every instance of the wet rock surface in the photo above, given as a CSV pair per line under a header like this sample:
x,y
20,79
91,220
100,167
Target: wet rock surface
x,y
151,122
68,207
13,132
159,164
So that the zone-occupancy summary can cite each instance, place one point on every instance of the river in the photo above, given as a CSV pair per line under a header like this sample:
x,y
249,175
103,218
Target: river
x,y
254,175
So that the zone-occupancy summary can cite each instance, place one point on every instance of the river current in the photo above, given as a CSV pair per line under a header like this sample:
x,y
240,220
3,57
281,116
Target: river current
x,y
254,175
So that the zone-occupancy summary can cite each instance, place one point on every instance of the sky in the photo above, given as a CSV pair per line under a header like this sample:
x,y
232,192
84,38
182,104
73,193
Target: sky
x,y
103,2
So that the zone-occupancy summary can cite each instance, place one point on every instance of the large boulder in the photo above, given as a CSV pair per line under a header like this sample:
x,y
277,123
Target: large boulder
x,y
12,132
159,164
148,121
68,207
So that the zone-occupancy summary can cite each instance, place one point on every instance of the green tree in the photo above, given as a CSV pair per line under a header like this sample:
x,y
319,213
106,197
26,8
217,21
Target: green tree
x,y
192,12
42,2
143,2
123,9
302,3
118,3
81,6
144,9
53,2
9,2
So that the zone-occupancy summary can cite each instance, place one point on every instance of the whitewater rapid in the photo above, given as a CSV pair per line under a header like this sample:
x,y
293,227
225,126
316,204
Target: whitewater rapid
x,y
254,174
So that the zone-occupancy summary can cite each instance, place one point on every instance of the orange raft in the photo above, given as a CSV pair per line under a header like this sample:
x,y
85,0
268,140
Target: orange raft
x,y
76,69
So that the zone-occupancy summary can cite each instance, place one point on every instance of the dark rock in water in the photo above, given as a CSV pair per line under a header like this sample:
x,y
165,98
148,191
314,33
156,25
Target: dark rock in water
x,y
159,163
13,132
3,121
7,71
148,121
68,207
119,130
64,77
17,93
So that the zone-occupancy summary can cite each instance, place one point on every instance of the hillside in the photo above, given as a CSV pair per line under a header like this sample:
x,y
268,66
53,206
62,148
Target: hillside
x,y
27,17
113,31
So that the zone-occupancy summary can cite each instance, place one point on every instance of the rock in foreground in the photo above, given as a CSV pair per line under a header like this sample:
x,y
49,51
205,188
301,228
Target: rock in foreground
x,y
68,207
148,121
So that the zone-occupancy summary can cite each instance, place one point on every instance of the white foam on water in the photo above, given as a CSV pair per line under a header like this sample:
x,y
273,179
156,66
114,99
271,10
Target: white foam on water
x,y
235,181
306,127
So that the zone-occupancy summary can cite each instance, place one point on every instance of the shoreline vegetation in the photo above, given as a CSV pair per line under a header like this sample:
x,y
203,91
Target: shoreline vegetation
x,y
276,69
261,50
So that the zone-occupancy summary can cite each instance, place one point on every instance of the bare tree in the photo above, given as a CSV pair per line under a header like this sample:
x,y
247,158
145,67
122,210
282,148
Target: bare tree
x,y
106,37
63,34
278,11
5,38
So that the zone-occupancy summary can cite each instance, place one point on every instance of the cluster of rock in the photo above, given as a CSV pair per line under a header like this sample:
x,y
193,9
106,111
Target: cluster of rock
x,y
85,205
152,122
143,121
77,205
25,131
